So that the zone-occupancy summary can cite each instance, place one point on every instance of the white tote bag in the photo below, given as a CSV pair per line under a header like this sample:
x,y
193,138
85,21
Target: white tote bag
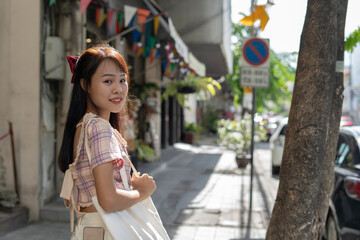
x,y
141,221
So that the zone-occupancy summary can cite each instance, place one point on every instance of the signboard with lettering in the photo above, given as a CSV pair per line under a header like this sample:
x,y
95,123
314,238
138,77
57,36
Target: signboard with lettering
x,y
255,63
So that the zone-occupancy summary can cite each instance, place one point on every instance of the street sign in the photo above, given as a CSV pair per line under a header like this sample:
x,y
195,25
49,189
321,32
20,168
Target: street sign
x,y
256,52
255,63
254,77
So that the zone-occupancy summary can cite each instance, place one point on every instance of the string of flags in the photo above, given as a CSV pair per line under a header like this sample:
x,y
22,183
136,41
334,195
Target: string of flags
x,y
144,35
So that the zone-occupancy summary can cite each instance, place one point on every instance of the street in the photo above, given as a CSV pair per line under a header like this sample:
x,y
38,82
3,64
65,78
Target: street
x,y
201,194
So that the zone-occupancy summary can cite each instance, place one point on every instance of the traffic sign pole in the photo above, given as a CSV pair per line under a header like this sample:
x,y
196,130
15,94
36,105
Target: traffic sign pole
x,y
252,139
255,66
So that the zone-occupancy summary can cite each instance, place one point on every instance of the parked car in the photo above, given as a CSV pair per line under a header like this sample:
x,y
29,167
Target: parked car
x,y
271,124
343,221
277,142
346,121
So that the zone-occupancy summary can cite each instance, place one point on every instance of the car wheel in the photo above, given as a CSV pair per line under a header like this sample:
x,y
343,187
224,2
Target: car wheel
x,y
331,231
275,170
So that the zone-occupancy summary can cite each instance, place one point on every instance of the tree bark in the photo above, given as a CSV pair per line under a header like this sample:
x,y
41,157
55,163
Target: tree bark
x,y
307,169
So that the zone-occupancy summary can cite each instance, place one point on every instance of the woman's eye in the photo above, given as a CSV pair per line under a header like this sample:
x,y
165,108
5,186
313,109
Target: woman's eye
x,y
107,81
122,80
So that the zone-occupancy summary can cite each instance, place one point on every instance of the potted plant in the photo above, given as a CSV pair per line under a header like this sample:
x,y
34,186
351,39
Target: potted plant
x,y
191,84
144,152
235,135
192,131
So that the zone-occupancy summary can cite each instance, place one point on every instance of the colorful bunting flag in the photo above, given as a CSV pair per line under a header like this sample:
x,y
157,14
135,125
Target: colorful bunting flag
x,y
153,41
84,5
110,19
140,51
147,39
120,22
156,25
97,16
258,14
151,55
129,13
132,22
100,16
135,36
146,51
142,15
163,65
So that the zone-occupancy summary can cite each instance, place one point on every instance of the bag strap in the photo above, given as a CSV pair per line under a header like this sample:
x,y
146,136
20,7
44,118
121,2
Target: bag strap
x,y
69,192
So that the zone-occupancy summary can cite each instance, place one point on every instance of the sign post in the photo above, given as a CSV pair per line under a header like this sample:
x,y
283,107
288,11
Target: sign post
x,y
255,66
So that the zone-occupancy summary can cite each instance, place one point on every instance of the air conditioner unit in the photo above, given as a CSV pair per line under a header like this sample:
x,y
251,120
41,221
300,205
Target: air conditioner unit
x,y
54,58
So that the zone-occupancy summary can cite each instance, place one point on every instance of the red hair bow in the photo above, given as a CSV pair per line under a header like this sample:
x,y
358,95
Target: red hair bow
x,y
72,63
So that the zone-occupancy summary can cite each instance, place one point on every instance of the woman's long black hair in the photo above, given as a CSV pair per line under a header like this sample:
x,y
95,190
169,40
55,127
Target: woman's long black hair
x,y
85,68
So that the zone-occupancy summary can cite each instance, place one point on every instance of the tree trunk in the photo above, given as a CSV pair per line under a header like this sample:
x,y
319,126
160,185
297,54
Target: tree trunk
x,y
307,169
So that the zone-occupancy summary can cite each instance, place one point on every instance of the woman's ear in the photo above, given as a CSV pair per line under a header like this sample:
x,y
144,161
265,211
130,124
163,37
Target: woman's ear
x,y
83,84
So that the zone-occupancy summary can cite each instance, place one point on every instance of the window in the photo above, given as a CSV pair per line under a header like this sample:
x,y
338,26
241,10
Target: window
x,y
342,153
283,130
347,152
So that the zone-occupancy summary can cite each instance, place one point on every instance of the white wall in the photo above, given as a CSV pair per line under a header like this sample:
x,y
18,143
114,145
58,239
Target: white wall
x,y
355,84
20,92
190,108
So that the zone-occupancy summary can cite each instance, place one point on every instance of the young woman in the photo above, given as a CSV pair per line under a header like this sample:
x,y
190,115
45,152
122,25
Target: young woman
x,y
96,117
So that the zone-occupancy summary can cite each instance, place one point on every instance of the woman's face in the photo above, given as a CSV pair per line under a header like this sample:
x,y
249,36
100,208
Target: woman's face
x,y
108,90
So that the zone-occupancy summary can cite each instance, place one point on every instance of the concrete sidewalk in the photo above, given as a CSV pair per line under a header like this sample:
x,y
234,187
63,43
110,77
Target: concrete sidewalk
x,y
201,194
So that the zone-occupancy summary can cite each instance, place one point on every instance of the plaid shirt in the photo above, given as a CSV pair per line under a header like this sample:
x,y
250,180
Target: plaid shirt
x,y
105,146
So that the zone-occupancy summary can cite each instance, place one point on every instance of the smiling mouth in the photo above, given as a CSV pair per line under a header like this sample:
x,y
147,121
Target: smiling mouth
x,y
116,100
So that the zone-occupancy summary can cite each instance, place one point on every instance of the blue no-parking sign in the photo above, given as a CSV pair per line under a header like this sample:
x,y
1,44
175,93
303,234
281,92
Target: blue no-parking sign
x,y
255,63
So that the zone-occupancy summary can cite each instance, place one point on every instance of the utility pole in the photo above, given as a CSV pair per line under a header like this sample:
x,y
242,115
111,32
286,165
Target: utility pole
x,y
253,34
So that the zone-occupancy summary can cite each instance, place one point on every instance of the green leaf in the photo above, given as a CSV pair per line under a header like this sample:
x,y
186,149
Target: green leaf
x,y
352,40
211,89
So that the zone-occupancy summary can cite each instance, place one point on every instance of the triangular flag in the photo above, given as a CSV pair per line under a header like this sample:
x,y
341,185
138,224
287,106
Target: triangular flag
x,y
121,18
131,24
104,16
258,14
97,16
51,2
100,16
135,35
152,55
83,5
148,34
129,12
172,66
140,51
157,53
120,22
142,15
146,51
163,65
153,41
156,25
111,14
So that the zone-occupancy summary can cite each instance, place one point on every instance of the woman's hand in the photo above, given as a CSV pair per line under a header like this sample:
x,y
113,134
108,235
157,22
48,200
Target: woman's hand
x,y
145,184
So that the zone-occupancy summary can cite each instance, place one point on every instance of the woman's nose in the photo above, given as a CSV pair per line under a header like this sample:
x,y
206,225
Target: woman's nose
x,y
117,88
